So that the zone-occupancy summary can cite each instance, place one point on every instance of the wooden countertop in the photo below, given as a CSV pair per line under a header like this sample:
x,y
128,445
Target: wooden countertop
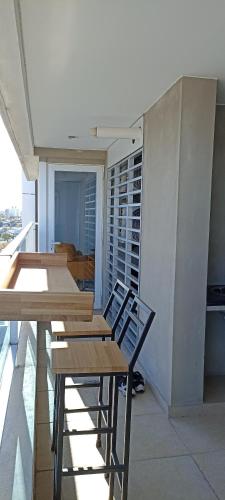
x,y
39,286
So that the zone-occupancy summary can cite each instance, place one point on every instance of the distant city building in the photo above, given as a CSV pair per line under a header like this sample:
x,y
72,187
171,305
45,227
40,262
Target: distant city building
x,y
12,212
10,225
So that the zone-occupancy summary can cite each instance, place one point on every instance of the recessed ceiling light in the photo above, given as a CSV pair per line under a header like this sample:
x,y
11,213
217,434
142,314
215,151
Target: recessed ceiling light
x,y
73,137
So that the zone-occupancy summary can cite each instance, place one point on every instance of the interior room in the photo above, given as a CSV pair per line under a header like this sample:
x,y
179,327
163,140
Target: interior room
x,y
75,222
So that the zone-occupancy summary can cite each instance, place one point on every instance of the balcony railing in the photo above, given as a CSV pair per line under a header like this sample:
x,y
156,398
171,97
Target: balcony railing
x,y
21,241
24,241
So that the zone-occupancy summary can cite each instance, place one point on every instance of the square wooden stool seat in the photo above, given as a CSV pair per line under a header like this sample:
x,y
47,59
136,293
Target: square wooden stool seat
x,y
90,358
98,327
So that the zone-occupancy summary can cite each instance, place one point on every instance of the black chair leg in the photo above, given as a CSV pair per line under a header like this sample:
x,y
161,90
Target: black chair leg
x,y
109,424
100,402
113,436
124,491
59,439
55,414
99,419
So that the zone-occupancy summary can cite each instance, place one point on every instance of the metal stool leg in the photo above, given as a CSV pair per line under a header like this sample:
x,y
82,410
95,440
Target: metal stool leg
x,y
59,439
55,414
109,423
99,419
55,410
113,437
124,492
100,402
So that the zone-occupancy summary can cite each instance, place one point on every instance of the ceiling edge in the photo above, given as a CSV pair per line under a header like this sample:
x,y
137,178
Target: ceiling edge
x,y
72,156
19,27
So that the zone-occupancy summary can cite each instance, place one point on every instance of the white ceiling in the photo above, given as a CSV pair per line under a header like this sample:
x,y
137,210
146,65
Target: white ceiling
x,y
104,62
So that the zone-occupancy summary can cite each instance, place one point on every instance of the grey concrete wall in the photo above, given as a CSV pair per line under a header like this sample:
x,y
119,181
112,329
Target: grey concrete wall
x,y
215,324
159,225
178,148
195,174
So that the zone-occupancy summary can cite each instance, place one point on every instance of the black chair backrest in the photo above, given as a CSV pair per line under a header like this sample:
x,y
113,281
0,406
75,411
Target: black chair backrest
x,y
120,294
142,316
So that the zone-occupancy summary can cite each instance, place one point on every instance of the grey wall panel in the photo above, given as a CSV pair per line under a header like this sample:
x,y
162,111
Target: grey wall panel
x,y
195,175
159,224
178,147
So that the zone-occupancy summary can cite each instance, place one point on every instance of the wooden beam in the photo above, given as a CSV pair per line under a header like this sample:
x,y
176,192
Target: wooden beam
x,y
72,156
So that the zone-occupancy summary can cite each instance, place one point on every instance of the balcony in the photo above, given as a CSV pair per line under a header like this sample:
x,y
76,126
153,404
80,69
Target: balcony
x,y
173,459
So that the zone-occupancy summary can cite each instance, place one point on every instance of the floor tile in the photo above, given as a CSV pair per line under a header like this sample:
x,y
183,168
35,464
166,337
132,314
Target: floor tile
x,y
201,434
45,379
152,436
44,456
44,340
44,485
212,465
176,478
81,488
143,403
44,408
44,358
27,346
73,399
17,444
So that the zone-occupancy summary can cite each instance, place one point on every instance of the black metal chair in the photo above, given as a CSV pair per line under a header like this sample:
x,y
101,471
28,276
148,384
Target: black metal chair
x,y
69,359
99,327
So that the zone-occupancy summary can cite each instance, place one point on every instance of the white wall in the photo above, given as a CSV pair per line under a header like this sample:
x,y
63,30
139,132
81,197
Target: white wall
x,y
28,209
28,201
43,207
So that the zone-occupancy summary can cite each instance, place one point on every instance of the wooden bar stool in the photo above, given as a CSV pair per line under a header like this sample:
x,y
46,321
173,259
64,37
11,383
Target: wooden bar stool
x,y
98,327
103,359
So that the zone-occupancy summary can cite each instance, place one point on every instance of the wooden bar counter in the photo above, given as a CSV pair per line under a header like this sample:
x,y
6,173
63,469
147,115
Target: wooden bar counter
x,y
39,286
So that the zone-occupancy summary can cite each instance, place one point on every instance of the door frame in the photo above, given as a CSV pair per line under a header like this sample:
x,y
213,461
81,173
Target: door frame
x,y
99,170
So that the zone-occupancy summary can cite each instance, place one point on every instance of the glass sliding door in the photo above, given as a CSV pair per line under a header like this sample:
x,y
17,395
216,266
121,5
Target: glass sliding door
x,y
74,222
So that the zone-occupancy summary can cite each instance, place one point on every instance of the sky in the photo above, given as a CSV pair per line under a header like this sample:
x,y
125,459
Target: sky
x,y
10,172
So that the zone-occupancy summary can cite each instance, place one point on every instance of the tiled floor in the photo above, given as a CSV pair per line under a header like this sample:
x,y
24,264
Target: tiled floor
x,y
175,459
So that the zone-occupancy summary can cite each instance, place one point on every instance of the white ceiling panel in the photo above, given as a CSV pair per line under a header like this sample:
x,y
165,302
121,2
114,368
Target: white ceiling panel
x,y
104,62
